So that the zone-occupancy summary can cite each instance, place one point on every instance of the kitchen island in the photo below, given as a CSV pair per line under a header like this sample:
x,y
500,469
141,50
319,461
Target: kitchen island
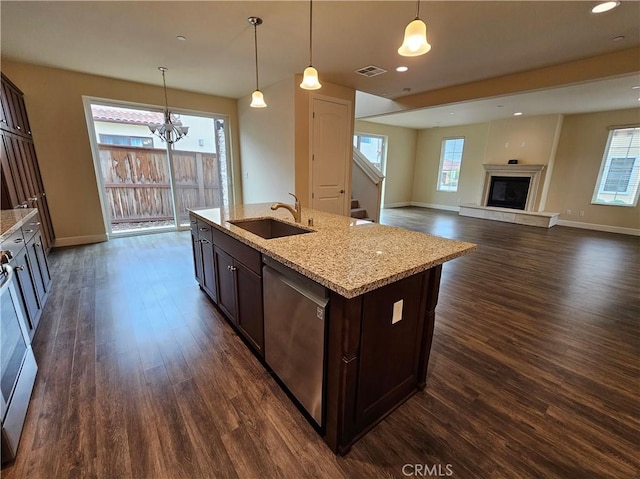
x,y
381,288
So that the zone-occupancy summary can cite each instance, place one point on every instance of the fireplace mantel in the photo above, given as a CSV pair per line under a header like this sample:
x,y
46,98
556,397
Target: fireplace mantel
x,y
519,170
513,168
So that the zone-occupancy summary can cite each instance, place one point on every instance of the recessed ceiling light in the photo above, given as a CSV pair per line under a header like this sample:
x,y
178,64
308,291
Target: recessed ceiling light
x,y
518,113
452,113
604,7
619,38
402,69
499,106
637,87
181,38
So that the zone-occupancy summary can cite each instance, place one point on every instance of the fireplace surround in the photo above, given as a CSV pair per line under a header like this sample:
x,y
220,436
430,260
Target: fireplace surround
x,y
532,173
504,197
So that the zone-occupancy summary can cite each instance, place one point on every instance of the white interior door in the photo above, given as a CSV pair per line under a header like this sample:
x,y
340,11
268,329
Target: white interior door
x,y
330,155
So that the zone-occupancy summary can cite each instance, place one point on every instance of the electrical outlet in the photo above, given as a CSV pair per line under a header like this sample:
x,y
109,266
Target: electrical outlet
x,y
581,213
568,212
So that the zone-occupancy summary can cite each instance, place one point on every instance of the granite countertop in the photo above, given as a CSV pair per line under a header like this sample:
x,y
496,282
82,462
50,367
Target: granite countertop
x,y
348,256
11,220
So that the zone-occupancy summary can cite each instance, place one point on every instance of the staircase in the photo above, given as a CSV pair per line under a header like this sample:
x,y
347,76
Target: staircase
x,y
357,212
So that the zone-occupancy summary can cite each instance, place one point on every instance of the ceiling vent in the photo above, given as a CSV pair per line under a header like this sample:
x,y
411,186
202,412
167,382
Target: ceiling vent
x,y
370,71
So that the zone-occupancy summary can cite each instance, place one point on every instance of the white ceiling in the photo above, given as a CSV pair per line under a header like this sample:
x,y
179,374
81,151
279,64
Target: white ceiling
x,y
610,94
471,40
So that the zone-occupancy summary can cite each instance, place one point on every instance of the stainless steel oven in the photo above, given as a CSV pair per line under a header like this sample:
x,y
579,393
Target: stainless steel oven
x,y
17,364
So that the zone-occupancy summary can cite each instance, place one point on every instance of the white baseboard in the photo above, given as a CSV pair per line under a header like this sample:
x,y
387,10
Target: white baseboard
x,y
396,205
78,240
597,227
436,207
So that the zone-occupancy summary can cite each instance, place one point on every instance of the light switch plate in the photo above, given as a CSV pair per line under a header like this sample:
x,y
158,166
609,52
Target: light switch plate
x,y
397,311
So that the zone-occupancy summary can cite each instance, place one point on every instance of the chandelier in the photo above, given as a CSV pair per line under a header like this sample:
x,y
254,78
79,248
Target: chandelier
x,y
168,131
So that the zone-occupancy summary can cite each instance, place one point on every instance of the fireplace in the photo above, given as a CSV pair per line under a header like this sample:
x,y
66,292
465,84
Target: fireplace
x,y
512,186
511,195
509,192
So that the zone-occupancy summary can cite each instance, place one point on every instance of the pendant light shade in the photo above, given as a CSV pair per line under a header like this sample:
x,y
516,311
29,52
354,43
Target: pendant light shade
x,y
169,131
415,38
310,77
257,98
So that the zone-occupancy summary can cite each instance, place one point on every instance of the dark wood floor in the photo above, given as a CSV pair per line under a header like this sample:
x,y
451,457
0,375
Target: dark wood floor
x,y
534,371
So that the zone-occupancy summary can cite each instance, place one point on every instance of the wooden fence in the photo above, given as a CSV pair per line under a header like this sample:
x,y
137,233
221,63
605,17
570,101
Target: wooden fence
x,y
138,186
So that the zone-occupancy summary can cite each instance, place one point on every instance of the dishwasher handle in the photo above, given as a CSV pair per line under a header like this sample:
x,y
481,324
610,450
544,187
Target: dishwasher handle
x,y
312,293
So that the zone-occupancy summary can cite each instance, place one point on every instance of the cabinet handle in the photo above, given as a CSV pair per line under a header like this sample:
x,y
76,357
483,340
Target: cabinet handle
x,y
18,127
2,120
232,268
38,244
19,268
18,240
33,198
204,241
37,223
23,205
28,231
204,229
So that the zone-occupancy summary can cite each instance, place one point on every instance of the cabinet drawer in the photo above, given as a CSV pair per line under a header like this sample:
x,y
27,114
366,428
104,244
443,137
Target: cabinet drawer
x,y
204,231
245,254
194,223
14,243
30,229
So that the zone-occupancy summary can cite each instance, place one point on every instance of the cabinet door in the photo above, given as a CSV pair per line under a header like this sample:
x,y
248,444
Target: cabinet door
x,y
197,256
226,283
43,263
27,289
249,306
38,281
12,174
208,268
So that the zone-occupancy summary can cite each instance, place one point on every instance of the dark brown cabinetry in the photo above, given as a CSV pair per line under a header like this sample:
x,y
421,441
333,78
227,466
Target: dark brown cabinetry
x,y
203,260
21,185
239,273
230,273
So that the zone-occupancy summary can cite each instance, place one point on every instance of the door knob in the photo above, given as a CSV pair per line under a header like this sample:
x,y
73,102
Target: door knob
x,y
341,192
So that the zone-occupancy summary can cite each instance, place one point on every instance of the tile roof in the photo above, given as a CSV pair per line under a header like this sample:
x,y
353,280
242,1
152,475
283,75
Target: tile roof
x,y
130,116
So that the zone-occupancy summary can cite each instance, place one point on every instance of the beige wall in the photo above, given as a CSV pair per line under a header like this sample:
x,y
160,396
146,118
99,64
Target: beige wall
x,y
530,140
54,104
302,99
578,159
267,145
401,157
471,180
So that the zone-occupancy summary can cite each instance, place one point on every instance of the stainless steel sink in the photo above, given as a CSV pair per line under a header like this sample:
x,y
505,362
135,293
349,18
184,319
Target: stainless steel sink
x,y
269,228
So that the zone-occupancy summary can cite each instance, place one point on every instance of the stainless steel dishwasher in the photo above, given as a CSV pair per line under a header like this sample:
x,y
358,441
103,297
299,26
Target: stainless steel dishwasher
x,y
294,333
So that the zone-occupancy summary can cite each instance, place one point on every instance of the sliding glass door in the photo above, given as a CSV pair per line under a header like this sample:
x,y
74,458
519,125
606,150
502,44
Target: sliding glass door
x,y
147,185
199,166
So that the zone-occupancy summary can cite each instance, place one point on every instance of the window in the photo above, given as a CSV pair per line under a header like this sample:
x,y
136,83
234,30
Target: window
x,y
450,161
619,176
372,147
122,140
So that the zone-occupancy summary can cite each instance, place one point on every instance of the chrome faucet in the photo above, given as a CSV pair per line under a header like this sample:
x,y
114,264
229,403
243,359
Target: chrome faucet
x,y
296,209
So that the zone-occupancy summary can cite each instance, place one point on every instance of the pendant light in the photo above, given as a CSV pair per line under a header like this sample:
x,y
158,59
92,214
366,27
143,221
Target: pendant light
x,y
257,98
415,37
310,78
169,131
